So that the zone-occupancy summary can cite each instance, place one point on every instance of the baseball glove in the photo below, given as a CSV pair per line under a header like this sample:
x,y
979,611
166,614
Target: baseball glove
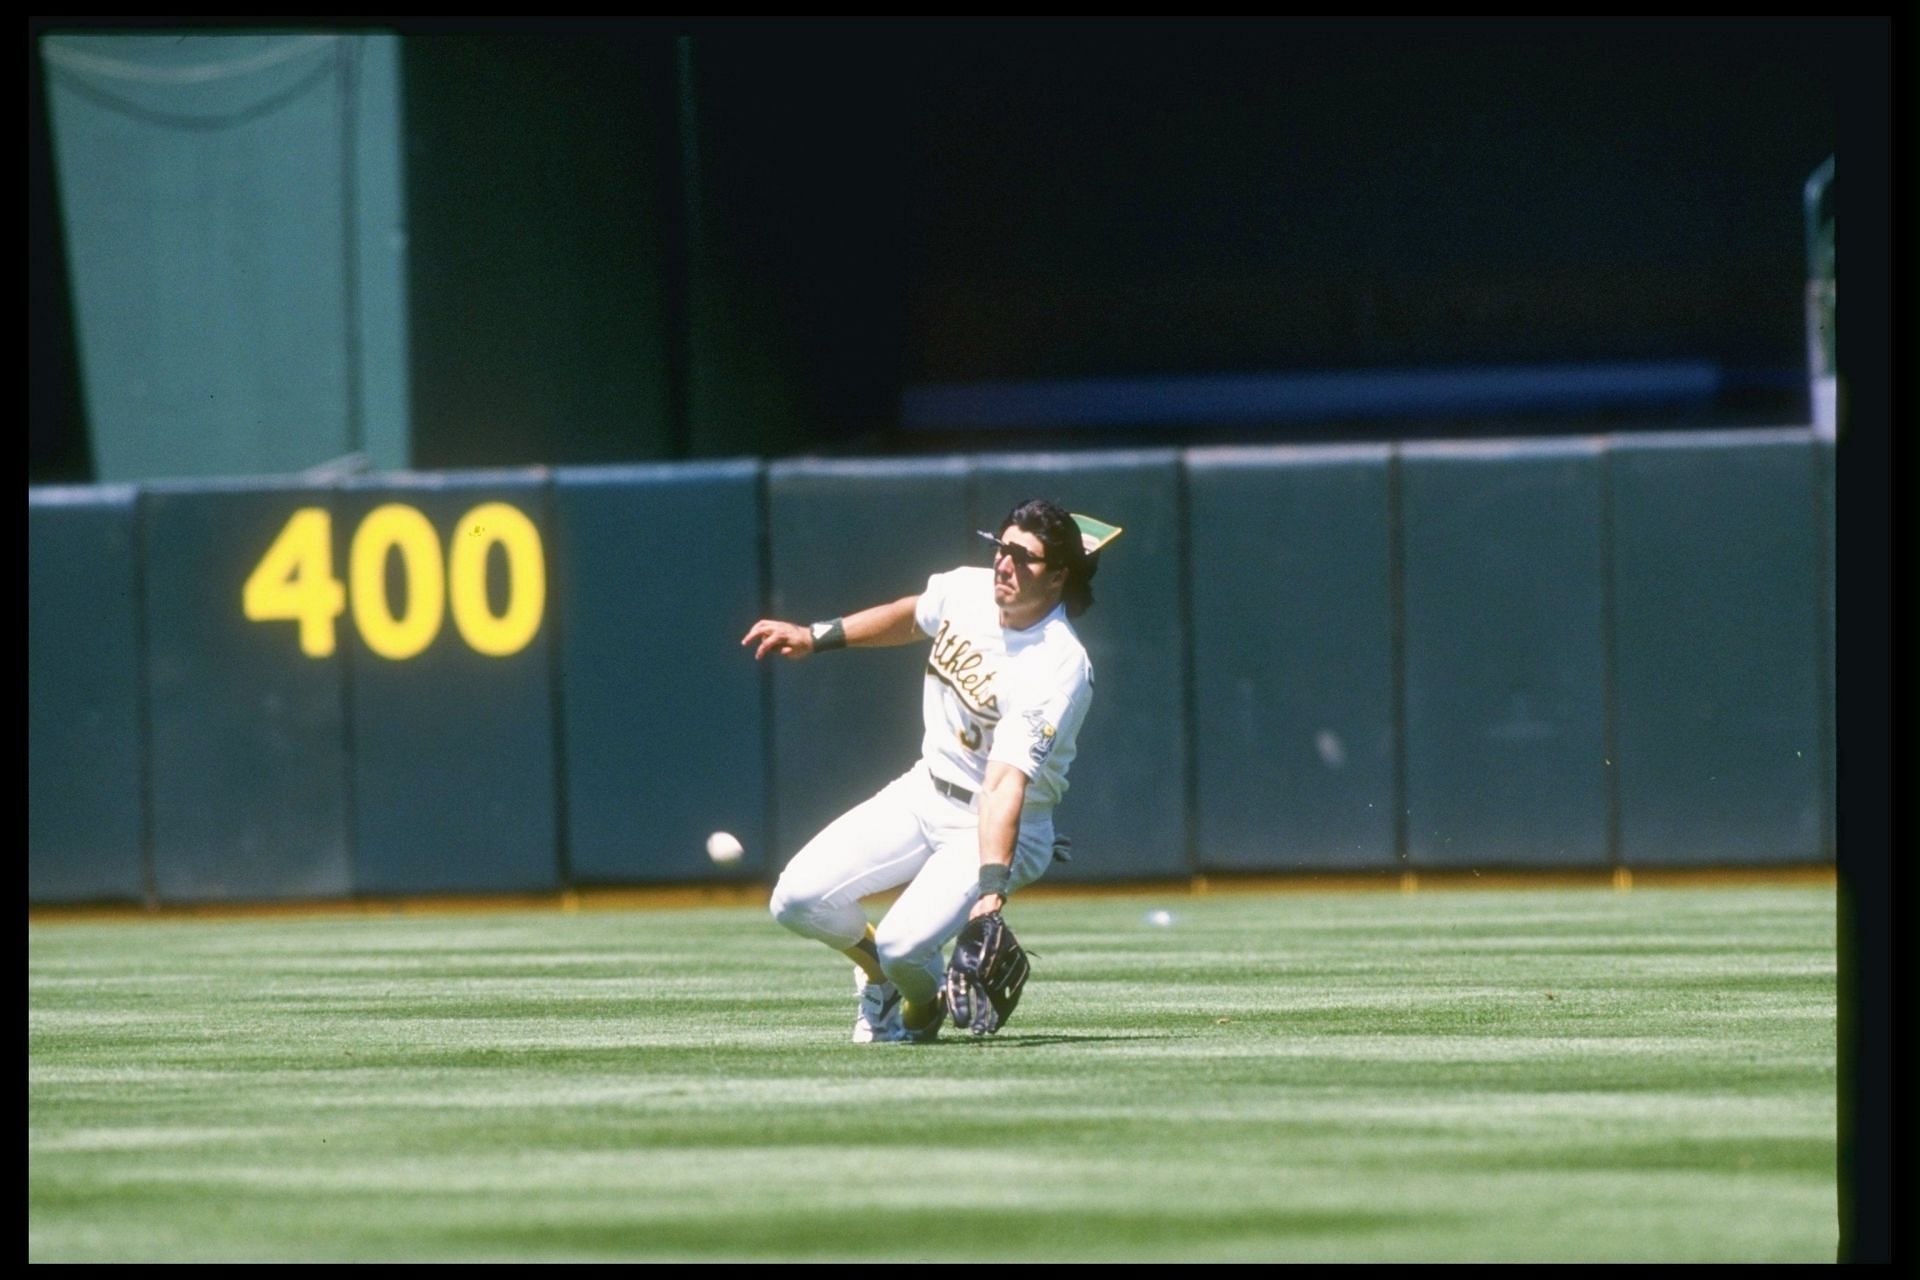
x,y
988,972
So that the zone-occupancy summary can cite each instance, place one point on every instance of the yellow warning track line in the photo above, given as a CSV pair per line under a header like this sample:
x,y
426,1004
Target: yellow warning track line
x,y
742,895
1619,878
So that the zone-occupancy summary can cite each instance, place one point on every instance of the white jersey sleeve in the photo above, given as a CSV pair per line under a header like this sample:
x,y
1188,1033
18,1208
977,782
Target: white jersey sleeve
x,y
932,605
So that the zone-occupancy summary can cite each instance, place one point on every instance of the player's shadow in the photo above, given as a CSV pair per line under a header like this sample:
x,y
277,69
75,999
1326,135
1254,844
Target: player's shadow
x,y
1003,1040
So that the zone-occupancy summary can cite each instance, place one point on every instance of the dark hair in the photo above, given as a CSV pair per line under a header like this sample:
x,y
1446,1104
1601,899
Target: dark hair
x,y
1060,537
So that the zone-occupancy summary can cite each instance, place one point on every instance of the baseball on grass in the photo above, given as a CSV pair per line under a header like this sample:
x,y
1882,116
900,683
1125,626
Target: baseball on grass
x,y
723,848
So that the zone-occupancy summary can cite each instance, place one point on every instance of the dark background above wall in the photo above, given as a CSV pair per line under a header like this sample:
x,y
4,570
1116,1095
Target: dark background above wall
x,y
643,240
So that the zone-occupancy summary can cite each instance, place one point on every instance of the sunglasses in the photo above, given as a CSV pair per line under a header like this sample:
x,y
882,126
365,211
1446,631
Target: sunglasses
x,y
1021,557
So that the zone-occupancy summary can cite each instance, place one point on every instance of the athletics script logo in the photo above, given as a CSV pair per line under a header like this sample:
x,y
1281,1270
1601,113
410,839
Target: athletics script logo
x,y
962,667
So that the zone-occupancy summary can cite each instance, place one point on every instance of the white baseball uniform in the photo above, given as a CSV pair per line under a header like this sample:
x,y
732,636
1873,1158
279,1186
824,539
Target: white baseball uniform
x,y
1016,697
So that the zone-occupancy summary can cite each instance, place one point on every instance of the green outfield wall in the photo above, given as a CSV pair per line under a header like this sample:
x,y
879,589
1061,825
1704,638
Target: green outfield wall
x,y
1295,743
450,682
1612,652
1722,628
1504,654
249,751
86,735
842,536
664,736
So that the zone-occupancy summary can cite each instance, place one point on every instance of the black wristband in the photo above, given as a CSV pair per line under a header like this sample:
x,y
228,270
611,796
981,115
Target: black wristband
x,y
828,636
995,878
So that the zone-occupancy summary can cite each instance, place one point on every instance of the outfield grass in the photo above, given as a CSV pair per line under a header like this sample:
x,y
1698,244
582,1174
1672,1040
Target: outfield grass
x,y
1568,1074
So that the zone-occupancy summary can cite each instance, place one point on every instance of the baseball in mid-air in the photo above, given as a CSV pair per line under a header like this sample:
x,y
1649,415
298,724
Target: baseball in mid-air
x,y
724,848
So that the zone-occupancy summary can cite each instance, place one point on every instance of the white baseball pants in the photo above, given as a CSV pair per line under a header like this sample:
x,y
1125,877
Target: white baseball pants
x,y
908,834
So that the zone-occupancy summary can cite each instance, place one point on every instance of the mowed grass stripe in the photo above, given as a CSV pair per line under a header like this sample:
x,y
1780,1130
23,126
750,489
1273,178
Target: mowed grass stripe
x,y
1336,1077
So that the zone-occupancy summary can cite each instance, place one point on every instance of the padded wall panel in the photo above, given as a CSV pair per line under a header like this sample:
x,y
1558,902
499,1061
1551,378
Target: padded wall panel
x,y
452,746
844,536
1506,761
658,575
85,800
1718,620
1292,658
248,764
1830,781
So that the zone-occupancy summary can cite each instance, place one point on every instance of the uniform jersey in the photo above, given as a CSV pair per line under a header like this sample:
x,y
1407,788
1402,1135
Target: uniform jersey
x,y
991,693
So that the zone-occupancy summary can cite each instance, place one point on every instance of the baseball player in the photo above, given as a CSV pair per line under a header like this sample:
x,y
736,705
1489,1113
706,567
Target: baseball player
x,y
1007,687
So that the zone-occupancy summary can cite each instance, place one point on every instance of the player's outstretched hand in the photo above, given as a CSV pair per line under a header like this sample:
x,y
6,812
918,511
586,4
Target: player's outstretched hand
x,y
783,638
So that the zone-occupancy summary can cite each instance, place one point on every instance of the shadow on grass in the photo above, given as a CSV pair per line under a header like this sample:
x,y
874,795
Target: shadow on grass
x,y
1043,1041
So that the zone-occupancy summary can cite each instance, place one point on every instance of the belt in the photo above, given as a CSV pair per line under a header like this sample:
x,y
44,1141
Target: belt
x,y
961,794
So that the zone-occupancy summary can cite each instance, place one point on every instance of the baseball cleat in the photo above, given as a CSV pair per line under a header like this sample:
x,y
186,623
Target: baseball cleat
x,y
878,1015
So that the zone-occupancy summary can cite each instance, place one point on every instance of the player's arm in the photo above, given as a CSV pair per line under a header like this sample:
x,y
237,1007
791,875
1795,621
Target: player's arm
x,y
1000,802
883,625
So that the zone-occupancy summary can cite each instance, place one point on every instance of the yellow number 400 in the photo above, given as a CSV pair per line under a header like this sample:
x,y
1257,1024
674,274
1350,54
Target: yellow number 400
x,y
294,581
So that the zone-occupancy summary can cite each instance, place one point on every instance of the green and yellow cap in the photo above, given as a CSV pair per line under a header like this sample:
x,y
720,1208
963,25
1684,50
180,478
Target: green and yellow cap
x,y
1095,534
